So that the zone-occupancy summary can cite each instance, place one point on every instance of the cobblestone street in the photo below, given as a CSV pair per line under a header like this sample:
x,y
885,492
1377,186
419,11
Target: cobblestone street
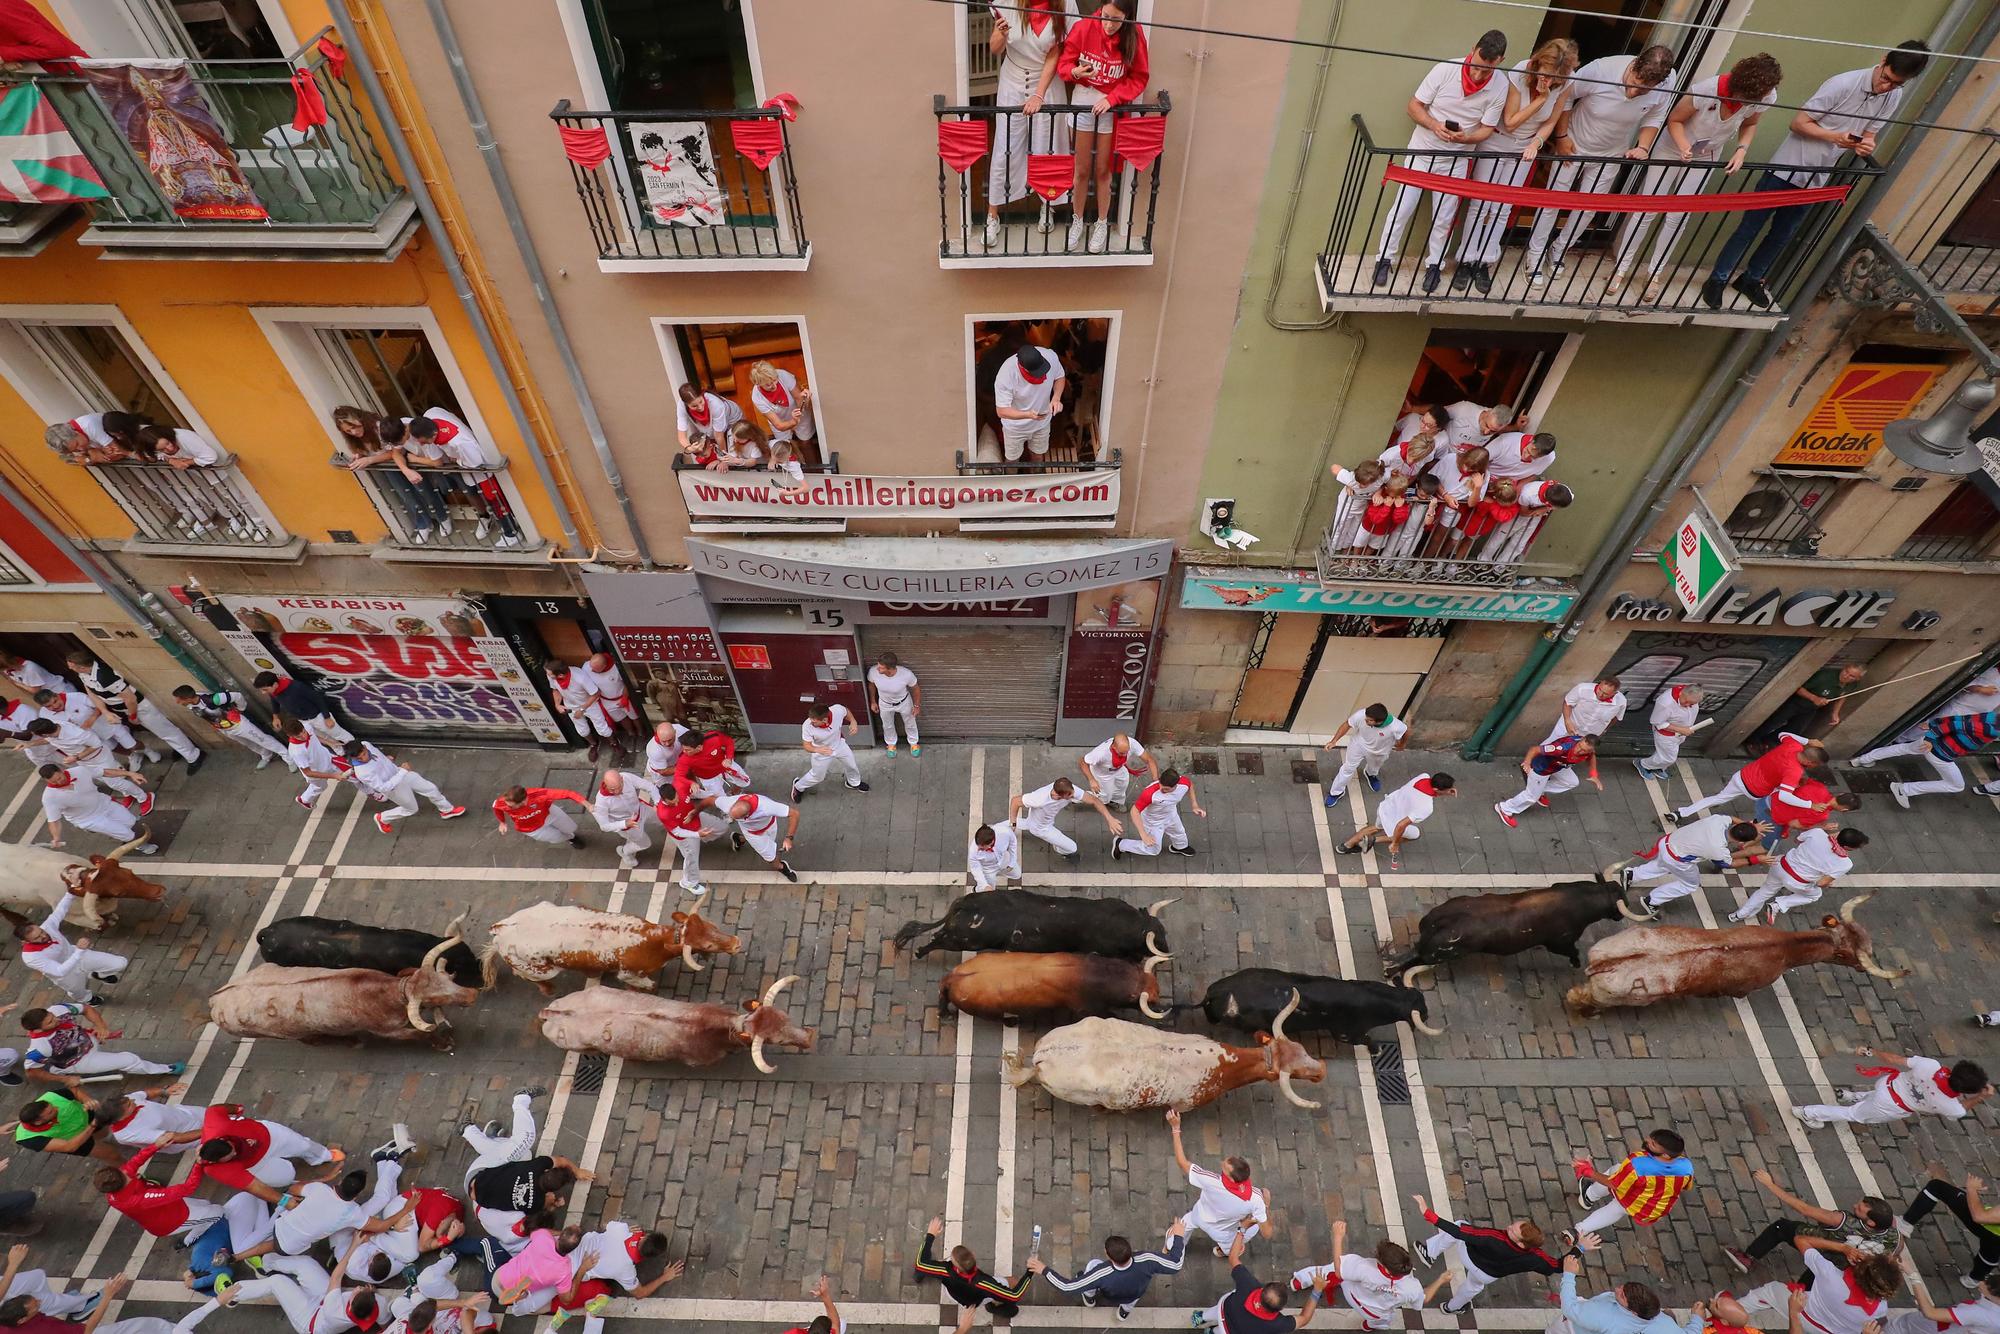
x,y
835,1162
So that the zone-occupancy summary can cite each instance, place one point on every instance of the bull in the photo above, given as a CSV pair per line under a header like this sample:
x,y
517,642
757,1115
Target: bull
x,y
1553,919
272,1001
335,942
35,880
1037,987
636,1027
1251,999
542,941
1028,923
1644,966
1121,1066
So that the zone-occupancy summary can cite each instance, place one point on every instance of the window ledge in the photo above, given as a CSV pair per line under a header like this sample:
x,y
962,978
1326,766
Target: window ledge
x,y
291,553
30,234
1056,261
391,553
382,240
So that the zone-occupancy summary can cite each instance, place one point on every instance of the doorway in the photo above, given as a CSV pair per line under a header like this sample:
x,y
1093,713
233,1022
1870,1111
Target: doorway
x,y
721,357
1489,367
1730,669
1308,673
689,55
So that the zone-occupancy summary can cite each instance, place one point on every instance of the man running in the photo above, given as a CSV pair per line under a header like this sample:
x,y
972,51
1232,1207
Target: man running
x,y
533,811
1485,1255
1376,1285
399,784
63,1051
1978,1218
1642,1189
1866,1227
757,825
1401,816
237,1149
1109,767
1588,709
1549,767
1035,813
1979,1313
624,804
1252,1306
1945,741
1803,872
311,760
1812,804
823,736
1122,1276
131,708
72,968
1905,1086
995,856
1678,856
1158,817
296,699
1672,721
690,824
894,692
1371,734
709,768
966,1283
1228,1207
1777,770
223,710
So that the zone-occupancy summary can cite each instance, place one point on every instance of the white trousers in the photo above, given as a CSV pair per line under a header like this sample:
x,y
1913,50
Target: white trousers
x,y
764,843
1167,831
1112,785
558,828
407,791
817,766
1950,778
1682,878
1444,208
1046,831
330,733
687,844
1731,790
1610,1213
1223,1234
74,980
515,1146
110,819
1479,240
275,1167
1586,177
1539,786
1874,1108
1780,891
590,719
1666,749
1309,1278
101,1061
1469,1280
160,726
1689,179
252,737
635,840
1356,760
249,1218
891,712
124,786
287,1292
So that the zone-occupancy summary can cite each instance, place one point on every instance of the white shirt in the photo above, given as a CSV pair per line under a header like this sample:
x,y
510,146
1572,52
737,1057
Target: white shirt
x,y
1981,1315
1670,712
150,1120
54,958
318,1214
763,819
1392,459
608,684
768,407
615,810
194,449
1373,1292
72,742
1157,803
32,676
92,425
1407,802
463,448
331,1316
1000,858
894,688
1533,494
1505,459
1590,715
722,414
1845,104
79,801
1707,837
1461,425
1364,738
1518,138
1013,389
1443,93
1043,805
660,757
1217,1208
574,691
833,734
1917,1087
1712,121
378,773
310,754
1970,700
1603,121
1104,762
614,1262
72,706
1453,480
1813,856
1828,1310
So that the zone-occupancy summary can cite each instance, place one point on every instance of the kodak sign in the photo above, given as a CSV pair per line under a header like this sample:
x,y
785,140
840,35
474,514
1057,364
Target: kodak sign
x,y
1844,429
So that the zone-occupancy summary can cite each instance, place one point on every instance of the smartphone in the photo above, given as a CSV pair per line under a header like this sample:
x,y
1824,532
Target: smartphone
x,y
1451,125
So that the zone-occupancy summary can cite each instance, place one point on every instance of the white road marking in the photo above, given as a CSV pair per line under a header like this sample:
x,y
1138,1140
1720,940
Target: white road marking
x,y
1010,1102
961,1079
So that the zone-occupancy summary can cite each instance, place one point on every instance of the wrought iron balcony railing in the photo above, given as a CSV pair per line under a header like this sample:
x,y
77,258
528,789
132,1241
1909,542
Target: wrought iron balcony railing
x,y
213,506
449,509
1421,550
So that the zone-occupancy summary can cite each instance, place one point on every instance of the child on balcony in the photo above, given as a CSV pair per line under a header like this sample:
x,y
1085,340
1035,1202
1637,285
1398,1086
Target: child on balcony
x,y
1461,485
786,470
1499,506
1388,510
1424,509
1359,485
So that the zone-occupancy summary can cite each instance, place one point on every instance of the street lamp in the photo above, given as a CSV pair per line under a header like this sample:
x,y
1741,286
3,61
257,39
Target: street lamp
x,y
1944,443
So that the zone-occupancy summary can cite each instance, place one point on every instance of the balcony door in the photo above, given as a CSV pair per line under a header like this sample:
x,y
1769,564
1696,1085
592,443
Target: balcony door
x,y
691,55
196,30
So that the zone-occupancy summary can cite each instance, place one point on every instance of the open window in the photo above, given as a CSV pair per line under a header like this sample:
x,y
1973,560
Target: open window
x,y
1087,347
1490,367
729,358
687,54
198,30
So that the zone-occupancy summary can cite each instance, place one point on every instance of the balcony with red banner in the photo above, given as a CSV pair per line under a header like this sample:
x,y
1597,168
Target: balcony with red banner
x,y
1007,177
1656,241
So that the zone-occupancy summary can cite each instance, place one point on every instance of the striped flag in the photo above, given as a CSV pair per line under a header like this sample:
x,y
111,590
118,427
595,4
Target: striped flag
x,y
40,162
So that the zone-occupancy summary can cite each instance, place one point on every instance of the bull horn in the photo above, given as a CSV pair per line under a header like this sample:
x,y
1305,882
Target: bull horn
x,y
414,1009
1873,969
1154,911
687,956
1848,908
771,992
1285,1087
1153,949
1417,1022
1278,1024
435,953
1625,911
757,1057
1145,1001
1410,975
454,931
124,848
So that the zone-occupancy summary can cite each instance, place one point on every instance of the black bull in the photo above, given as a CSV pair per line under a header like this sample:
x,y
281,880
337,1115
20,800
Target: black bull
x,y
1553,919
1015,919
1251,999
335,942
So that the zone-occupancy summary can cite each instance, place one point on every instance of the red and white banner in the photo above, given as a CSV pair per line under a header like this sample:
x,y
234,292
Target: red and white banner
x,y
751,496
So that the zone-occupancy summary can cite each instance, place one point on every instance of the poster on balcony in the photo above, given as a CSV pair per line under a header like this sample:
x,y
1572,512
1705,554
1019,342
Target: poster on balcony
x,y
160,111
409,667
748,499
1844,429
677,174
1110,653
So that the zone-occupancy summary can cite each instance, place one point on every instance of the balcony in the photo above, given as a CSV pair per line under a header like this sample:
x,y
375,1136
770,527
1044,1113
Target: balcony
x,y
208,511
990,463
1418,553
1005,138
1684,247
251,186
26,228
658,206
1963,261
453,516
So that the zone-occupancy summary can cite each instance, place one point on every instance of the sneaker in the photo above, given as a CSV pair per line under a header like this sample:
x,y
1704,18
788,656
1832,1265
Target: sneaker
x,y
177,1067
1116,855
1482,278
108,979
384,825
494,1130
421,536
1100,236
1383,268
1740,1258
451,814
915,750
264,760
1187,851
785,870
1711,294
1431,278
1346,850
628,863
736,840
559,1318
1754,290
510,540
146,806
1566,1238
892,750
1198,1319
595,746
990,237
532,1091
303,802
1046,223
1075,237
1374,783
1461,276
1505,818
1902,797
1543,802
94,999
697,890
598,1305
1673,818
1625,878
1124,1313
223,1284
1982,1020
1460,1309
1536,278
858,787
797,796
1332,798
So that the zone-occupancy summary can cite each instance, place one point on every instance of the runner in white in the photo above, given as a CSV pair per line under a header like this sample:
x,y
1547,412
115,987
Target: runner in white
x,y
624,804
1837,1300
116,694
85,753
1672,721
1158,817
1376,1285
1227,1202
1979,1313
1677,857
144,1116
663,751
1589,708
17,718
1109,768
19,1282
29,675
993,856
75,797
338,1213
824,737
1371,734
82,709
62,1050
1905,1086
1803,872
71,967
757,824
1400,816
1035,813
600,672
312,760
395,783
690,824
576,698
893,692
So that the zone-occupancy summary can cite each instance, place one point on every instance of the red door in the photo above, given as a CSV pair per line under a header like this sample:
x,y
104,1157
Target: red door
x,y
779,675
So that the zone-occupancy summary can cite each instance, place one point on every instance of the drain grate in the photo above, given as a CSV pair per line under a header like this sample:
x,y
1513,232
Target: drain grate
x,y
1205,762
1305,771
1392,1086
1250,762
591,1067
1872,780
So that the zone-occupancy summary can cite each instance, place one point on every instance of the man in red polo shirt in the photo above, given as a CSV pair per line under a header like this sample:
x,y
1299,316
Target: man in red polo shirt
x,y
1811,804
1777,770
533,811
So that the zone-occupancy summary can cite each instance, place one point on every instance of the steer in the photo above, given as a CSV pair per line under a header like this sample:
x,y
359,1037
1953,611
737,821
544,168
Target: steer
x,y
1126,1067
1250,999
1015,919
541,941
1040,987
1553,919
1647,965
271,1001
637,1027
335,942
33,880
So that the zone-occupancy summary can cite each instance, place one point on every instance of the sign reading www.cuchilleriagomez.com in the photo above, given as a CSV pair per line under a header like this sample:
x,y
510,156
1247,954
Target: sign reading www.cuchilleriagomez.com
x,y
749,500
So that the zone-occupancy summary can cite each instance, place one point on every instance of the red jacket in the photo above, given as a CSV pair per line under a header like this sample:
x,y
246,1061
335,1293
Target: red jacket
x,y
1801,816
158,1209
532,813
1091,58
708,759
1775,768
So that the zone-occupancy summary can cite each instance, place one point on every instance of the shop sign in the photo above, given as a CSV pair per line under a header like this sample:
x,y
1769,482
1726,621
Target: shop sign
x,y
1300,591
1001,609
856,569
1844,429
750,498
1816,608
750,657
1698,560
1110,650
413,665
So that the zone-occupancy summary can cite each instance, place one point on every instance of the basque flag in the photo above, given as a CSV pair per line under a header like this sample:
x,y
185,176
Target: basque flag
x,y
40,162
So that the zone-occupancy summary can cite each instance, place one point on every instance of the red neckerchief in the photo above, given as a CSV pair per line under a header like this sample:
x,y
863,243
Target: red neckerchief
x,y
1038,16
1467,82
1385,1272
1943,1081
1031,379
1676,693
63,779
1240,1189
1424,786
1856,1298
775,392
1118,757
31,947
699,414
1404,448
374,1319
1729,108
632,1246
561,678
445,430
602,790
752,798
129,1117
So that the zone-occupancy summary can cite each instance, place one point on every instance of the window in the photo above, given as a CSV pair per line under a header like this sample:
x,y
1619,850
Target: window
x,y
1624,27
1087,347
722,358
1489,368
96,363
1978,223
180,29
1960,528
391,371
687,54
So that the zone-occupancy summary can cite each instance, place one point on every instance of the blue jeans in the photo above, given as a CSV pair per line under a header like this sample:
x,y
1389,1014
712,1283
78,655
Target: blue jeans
x,y
1784,223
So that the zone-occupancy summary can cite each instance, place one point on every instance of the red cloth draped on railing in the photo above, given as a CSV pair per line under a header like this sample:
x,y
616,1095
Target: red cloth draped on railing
x,y
1139,139
1051,175
585,145
963,142
309,108
759,140
336,57
1535,197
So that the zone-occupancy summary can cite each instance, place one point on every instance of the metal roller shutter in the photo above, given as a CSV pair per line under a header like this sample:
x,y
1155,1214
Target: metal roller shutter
x,y
980,683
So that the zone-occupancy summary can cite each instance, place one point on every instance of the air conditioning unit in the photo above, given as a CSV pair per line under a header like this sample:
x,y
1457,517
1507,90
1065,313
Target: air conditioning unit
x,y
1761,508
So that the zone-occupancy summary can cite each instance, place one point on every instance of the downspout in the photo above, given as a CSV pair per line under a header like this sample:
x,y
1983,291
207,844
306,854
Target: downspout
x,y
413,181
510,204
1704,420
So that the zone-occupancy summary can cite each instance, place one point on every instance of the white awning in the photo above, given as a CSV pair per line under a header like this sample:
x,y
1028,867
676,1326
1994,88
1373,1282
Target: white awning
x,y
929,569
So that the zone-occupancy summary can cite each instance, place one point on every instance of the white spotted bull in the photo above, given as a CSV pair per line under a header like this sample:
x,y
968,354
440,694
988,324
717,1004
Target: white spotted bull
x,y
637,1027
542,941
33,880
271,1001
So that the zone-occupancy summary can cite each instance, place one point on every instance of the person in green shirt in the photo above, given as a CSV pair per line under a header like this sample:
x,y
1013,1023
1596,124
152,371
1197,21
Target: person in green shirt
x,y
1826,688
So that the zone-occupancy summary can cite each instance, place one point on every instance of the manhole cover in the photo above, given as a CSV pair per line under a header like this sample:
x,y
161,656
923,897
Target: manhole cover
x,y
1305,771
1205,762
1250,762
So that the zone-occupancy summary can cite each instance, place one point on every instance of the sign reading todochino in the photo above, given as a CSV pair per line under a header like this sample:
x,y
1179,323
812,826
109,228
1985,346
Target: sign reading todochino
x,y
753,496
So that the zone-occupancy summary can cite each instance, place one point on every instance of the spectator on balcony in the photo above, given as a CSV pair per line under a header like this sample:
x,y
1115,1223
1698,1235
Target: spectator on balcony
x,y
95,437
177,447
1841,117
1713,108
1456,108
1539,498
440,439
1358,487
1028,41
1520,455
1104,61
1424,509
1499,506
1387,510
781,401
744,447
1537,92
786,470
1027,393
406,488
1461,477
1418,436
702,421
1467,424
1616,108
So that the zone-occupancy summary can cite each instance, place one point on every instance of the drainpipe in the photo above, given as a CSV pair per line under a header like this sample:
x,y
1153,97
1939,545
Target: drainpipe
x,y
413,181
510,204
1705,418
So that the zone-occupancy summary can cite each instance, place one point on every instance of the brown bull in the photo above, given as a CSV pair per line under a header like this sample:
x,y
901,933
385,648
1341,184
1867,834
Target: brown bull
x,y
271,1001
33,880
636,1027
547,939
1000,985
1646,965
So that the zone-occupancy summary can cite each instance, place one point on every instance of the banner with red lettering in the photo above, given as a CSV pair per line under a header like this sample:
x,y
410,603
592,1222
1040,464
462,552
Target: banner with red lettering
x,y
420,668
1109,661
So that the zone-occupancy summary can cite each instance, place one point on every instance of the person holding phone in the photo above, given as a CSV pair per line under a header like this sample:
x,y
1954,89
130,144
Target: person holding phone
x,y
1455,109
1840,118
1537,92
